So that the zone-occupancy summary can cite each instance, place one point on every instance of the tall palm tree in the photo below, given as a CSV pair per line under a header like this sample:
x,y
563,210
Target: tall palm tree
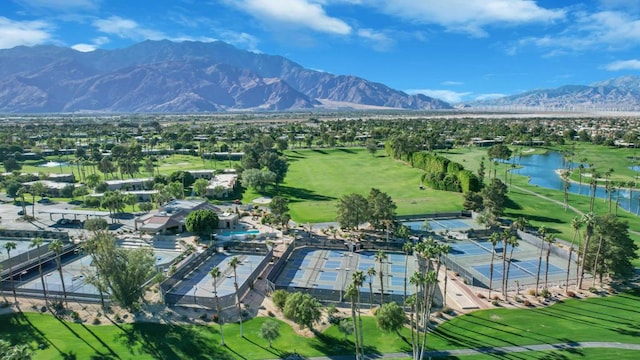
x,y
513,242
234,262
352,293
565,186
37,242
36,189
358,279
215,275
630,184
542,231
56,246
371,273
418,280
20,194
550,240
493,239
594,184
11,245
506,234
580,170
380,258
444,250
589,221
576,224
407,248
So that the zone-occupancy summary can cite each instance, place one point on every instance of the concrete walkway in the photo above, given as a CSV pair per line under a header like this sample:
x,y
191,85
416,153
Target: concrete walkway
x,y
496,350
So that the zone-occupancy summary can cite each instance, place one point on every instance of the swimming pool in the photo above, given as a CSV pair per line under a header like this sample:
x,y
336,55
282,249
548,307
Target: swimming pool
x,y
243,232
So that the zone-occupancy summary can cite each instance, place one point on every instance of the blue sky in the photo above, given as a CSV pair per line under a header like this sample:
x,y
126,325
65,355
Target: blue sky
x,y
456,50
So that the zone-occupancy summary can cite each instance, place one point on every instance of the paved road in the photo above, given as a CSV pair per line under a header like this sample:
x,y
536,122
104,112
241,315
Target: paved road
x,y
497,350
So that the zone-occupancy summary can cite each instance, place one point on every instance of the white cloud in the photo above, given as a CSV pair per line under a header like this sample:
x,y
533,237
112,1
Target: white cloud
x,y
61,4
96,43
446,95
241,40
452,83
29,33
470,16
126,28
300,13
633,64
483,97
381,42
606,30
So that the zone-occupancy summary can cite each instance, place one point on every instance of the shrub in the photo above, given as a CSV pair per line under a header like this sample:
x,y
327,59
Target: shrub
x,y
215,318
75,316
571,294
96,321
117,318
545,293
204,317
496,297
517,299
270,313
279,298
495,302
526,303
480,295
447,310
531,292
593,290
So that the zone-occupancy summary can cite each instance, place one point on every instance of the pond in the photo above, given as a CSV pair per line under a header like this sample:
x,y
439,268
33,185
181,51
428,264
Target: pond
x,y
542,171
49,164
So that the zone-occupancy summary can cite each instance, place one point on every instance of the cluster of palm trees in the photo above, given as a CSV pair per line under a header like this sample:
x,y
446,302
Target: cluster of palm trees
x,y
216,274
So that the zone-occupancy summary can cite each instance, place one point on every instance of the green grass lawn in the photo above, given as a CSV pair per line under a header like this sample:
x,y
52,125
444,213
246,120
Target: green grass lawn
x,y
317,178
611,318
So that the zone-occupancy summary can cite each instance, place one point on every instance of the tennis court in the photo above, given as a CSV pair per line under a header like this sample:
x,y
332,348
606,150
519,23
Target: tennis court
x,y
332,270
439,225
472,257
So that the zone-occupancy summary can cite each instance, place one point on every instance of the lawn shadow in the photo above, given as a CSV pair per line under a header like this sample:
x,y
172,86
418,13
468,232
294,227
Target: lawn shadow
x,y
272,350
510,204
21,330
320,151
348,151
299,194
168,341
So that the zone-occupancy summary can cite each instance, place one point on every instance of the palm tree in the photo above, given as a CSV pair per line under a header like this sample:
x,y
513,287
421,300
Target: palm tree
x,y
56,246
234,262
594,184
20,193
542,231
506,234
352,293
10,245
550,240
589,220
565,186
630,184
37,242
37,189
580,170
513,242
444,250
358,280
371,273
493,239
215,275
576,224
380,258
407,248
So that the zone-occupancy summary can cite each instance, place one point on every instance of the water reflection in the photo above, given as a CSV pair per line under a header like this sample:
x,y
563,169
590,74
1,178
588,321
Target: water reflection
x,y
542,171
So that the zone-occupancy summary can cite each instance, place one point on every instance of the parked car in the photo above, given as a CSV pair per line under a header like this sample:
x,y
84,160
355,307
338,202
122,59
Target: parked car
x,y
44,201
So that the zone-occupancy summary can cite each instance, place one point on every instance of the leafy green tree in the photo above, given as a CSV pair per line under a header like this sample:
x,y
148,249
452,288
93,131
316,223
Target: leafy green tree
x,y
96,224
381,208
200,187
67,191
279,298
494,197
257,179
372,146
203,221
11,164
145,206
121,271
613,252
183,177
472,201
303,309
346,327
353,209
270,331
12,187
279,205
390,317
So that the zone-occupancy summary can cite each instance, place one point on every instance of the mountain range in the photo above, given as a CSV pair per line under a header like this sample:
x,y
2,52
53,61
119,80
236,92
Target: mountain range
x,y
622,93
184,77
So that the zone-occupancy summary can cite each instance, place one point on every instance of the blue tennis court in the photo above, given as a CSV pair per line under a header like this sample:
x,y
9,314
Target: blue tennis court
x,y
531,266
467,249
514,272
